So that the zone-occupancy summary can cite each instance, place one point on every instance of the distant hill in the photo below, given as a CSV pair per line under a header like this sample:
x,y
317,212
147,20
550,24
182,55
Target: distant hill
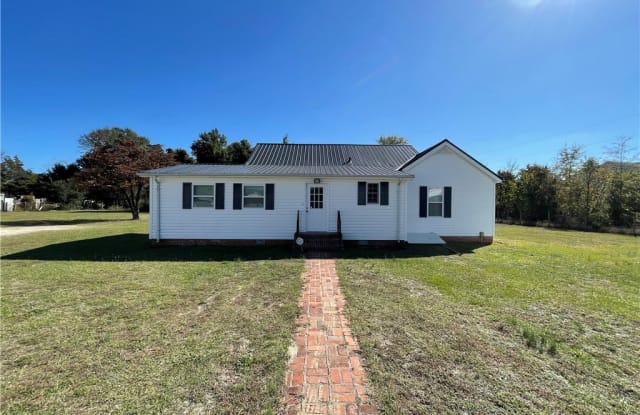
x,y
628,166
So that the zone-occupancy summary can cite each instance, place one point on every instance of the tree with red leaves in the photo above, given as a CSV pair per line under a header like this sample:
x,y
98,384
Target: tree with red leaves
x,y
113,159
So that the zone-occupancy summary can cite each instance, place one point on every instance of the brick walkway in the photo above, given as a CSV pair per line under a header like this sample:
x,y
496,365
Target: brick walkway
x,y
326,375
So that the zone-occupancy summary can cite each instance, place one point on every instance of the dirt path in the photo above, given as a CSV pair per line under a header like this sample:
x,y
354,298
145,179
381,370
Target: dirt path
x,y
19,230
325,374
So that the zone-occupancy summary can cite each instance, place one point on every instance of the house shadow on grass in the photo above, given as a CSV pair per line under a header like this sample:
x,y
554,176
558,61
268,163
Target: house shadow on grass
x,y
411,251
136,247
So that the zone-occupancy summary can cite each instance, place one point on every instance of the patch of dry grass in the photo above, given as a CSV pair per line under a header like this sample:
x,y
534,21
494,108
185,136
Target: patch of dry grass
x,y
96,321
473,333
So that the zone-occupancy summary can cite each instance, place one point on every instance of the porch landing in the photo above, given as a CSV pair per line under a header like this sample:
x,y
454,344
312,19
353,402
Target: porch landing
x,y
430,238
319,241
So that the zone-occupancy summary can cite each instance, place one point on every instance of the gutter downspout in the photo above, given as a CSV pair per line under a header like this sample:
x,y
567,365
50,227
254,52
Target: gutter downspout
x,y
493,228
398,211
157,209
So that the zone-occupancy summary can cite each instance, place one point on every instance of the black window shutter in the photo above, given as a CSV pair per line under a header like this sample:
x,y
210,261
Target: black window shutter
x,y
219,195
423,201
237,196
186,195
447,201
362,193
384,193
269,203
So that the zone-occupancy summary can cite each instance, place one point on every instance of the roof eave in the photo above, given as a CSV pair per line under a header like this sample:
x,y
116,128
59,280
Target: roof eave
x,y
382,176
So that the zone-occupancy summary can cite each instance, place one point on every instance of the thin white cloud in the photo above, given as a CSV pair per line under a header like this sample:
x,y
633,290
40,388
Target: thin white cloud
x,y
527,3
376,72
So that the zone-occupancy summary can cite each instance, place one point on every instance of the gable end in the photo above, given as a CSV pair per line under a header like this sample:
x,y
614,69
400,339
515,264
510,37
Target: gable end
x,y
456,149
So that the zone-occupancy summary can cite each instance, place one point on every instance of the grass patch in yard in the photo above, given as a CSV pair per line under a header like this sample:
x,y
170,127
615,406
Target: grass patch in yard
x,y
542,321
94,320
541,342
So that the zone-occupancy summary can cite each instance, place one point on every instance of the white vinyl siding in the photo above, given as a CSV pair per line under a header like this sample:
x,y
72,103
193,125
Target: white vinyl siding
x,y
472,196
228,223
472,204
363,222
371,222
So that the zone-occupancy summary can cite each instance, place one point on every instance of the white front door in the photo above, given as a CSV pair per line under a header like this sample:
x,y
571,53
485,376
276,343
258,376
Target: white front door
x,y
316,208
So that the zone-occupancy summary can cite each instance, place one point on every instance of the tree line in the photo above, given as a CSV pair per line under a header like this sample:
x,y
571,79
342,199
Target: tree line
x,y
106,173
576,192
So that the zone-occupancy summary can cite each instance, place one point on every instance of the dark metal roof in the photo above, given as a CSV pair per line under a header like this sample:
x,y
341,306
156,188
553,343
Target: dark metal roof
x,y
316,160
392,156
271,170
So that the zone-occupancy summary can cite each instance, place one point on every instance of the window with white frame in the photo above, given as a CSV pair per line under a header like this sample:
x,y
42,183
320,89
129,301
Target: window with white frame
x,y
203,196
253,196
435,201
373,192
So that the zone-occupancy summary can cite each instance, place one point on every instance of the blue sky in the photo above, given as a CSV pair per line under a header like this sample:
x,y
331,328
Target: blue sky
x,y
510,81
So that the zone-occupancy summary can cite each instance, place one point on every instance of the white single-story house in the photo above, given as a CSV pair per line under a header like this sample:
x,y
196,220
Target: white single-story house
x,y
366,194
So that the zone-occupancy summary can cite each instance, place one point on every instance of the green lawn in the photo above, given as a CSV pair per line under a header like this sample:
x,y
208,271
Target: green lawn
x,y
542,321
96,321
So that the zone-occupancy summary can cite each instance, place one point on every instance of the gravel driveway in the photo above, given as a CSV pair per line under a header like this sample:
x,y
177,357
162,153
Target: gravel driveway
x,y
19,230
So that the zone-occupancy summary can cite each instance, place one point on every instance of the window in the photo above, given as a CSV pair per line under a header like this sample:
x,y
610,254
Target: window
x,y
316,197
253,196
435,200
202,196
372,192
